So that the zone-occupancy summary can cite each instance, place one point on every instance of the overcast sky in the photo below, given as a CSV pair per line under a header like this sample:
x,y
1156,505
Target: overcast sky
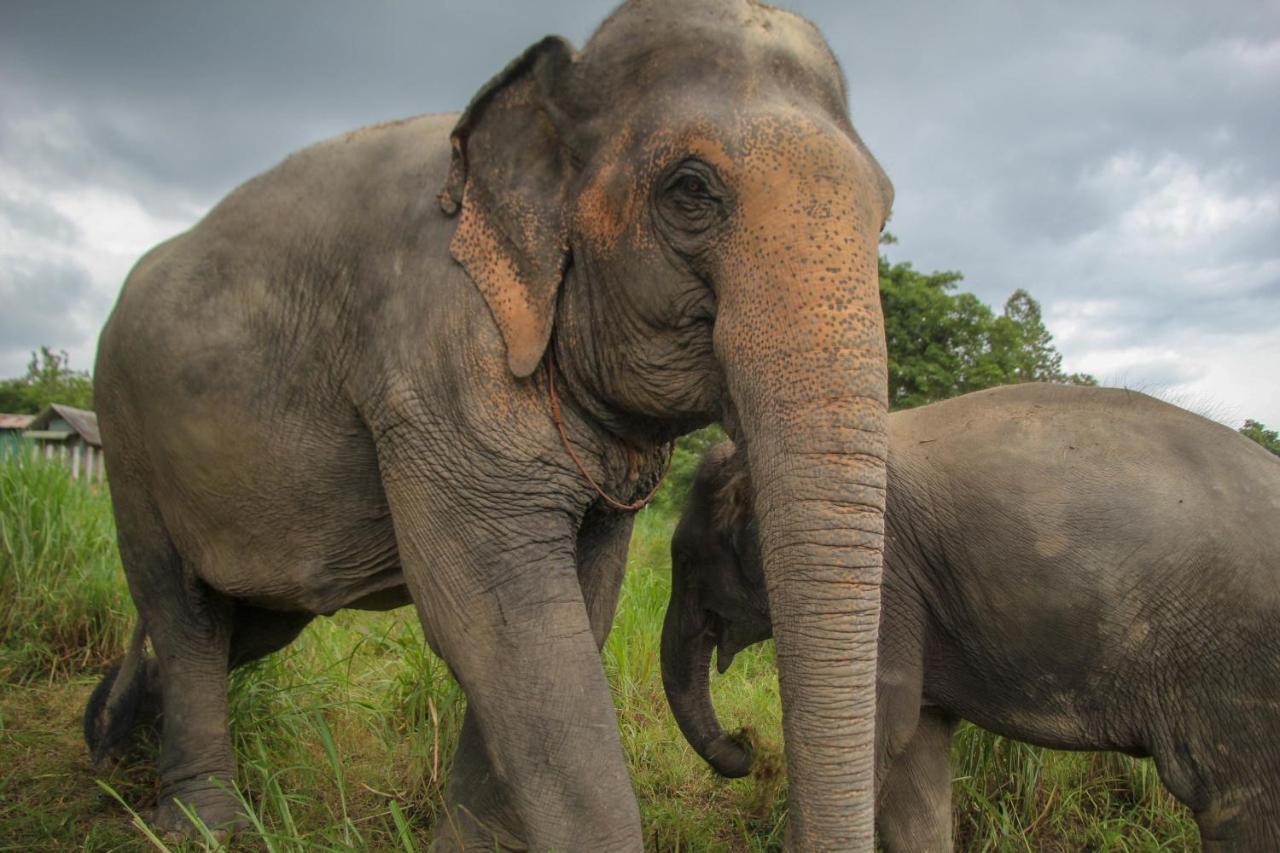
x,y
1117,159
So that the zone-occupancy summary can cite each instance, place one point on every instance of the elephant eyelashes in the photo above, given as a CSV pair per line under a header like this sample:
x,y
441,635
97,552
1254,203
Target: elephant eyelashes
x,y
693,187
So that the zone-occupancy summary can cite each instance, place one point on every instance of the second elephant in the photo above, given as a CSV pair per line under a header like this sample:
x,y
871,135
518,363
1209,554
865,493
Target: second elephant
x,y
1078,568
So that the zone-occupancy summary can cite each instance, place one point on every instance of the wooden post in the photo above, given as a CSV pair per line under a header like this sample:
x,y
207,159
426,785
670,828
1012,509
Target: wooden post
x,y
102,465
75,462
48,451
35,450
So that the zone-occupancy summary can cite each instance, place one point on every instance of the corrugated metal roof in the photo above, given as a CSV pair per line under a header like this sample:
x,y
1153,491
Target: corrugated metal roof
x,y
83,422
15,421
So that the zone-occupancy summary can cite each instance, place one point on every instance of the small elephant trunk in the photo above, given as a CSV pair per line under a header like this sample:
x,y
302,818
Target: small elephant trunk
x,y
688,637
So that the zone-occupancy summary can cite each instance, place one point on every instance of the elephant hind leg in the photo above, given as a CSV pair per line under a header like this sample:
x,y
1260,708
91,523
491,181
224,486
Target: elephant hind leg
x,y
1251,828
914,811
1232,784
190,628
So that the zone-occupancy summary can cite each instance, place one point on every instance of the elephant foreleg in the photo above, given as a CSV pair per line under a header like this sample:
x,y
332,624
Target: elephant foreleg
x,y
603,540
501,602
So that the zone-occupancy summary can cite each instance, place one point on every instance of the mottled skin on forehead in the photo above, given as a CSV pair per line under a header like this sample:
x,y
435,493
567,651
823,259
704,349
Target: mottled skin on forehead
x,y
669,46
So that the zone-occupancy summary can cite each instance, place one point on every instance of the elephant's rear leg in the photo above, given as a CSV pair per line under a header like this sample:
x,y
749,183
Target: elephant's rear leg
x,y
128,697
914,811
1230,779
190,626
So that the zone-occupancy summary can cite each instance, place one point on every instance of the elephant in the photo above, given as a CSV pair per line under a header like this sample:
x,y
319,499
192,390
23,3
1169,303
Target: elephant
x,y
441,361
1078,568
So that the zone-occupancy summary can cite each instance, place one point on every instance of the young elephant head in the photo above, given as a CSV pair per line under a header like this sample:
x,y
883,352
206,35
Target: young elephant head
x,y
687,205
718,602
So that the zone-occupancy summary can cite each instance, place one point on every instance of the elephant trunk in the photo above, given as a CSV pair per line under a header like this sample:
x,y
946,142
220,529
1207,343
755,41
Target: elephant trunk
x,y
688,638
800,335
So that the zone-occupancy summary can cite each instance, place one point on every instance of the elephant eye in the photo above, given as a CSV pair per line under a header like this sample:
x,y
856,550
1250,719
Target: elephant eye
x,y
693,185
693,198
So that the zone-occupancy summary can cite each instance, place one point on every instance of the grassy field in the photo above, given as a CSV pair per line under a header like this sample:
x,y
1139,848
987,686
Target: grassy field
x,y
344,738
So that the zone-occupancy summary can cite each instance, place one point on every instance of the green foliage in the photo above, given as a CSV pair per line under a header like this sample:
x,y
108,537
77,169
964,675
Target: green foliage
x,y
1258,431
49,379
943,344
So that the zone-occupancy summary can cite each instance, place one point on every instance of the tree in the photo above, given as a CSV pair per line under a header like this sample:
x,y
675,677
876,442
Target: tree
x,y
1034,357
942,344
1258,431
49,379
1021,341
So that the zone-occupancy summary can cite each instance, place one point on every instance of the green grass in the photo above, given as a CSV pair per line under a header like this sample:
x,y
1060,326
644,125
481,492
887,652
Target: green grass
x,y
344,738
63,603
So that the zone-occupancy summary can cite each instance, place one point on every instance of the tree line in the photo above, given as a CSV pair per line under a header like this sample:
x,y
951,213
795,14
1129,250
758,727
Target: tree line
x,y
942,342
49,379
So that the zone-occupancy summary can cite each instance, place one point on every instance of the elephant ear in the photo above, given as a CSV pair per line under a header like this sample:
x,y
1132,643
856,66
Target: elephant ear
x,y
509,177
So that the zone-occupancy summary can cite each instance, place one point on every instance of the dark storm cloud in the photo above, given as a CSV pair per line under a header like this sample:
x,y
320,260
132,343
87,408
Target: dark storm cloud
x,y
207,94
1115,159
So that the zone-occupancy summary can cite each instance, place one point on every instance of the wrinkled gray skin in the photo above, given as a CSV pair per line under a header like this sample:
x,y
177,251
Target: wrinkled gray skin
x,y
1079,568
332,392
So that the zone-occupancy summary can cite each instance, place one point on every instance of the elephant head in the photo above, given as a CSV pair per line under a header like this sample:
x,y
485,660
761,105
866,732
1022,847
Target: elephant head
x,y
686,206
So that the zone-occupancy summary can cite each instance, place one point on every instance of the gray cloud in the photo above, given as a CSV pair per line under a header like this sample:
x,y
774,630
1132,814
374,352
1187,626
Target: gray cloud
x,y
42,303
29,216
1117,160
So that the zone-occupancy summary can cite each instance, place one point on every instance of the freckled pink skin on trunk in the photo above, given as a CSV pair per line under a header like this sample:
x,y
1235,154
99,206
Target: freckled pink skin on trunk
x,y
801,338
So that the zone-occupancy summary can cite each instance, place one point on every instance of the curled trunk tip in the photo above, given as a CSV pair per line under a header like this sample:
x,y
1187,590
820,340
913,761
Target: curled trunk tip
x,y
686,677
731,755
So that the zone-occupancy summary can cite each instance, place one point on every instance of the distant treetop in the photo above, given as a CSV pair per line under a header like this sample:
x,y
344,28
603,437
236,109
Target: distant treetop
x,y
1258,431
49,380
943,343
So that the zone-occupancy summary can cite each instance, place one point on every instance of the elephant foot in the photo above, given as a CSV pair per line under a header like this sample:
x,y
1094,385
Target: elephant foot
x,y
217,809
459,830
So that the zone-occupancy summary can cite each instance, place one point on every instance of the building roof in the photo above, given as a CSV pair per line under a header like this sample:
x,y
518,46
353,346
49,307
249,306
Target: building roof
x,y
83,422
15,421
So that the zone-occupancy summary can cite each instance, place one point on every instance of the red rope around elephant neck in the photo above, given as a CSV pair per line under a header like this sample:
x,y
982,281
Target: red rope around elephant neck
x,y
564,439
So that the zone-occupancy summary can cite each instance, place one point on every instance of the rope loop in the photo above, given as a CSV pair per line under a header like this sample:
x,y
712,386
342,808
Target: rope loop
x,y
564,439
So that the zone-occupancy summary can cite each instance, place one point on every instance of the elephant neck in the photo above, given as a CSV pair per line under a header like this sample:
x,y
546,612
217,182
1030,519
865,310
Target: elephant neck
x,y
622,456
582,397
593,344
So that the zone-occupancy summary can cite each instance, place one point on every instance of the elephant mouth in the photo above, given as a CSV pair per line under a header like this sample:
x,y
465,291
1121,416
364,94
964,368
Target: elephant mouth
x,y
726,645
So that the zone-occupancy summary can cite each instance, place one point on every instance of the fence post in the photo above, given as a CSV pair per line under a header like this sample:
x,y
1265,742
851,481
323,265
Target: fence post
x,y
75,462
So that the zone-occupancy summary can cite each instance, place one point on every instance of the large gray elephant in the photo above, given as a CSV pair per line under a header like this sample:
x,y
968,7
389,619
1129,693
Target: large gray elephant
x,y
1080,568
336,391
